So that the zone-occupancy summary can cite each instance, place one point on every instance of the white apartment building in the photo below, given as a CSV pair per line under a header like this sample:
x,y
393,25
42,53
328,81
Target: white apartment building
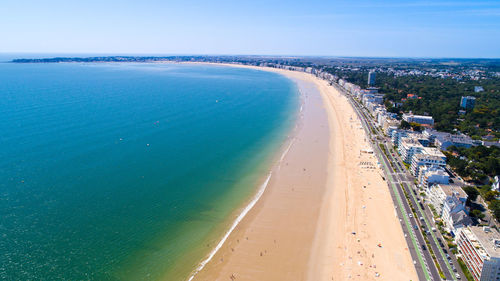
x,y
480,250
420,119
429,175
408,147
427,156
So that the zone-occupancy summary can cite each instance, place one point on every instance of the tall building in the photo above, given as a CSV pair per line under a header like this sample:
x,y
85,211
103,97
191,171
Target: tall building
x,y
467,102
408,147
480,249
429,175
371,78
426,157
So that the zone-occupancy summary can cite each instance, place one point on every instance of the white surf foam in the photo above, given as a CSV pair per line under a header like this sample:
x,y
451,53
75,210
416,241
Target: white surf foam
x,y
240,217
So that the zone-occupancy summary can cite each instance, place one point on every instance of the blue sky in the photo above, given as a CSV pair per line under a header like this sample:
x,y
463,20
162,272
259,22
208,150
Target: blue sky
x,y
296,27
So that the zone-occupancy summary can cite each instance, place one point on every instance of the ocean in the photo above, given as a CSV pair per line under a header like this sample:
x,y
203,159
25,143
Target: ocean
x,y
130,171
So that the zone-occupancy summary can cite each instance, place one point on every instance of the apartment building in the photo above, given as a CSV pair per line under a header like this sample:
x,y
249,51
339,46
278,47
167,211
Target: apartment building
x,y
480,250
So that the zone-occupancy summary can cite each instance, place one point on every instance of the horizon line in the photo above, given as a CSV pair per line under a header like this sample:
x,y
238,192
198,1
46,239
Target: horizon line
x,y
246,55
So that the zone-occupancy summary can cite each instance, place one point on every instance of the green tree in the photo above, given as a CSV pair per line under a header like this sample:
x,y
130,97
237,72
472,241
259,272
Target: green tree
x,y
477,214
495,208
490,195
416,127
404,125
472,193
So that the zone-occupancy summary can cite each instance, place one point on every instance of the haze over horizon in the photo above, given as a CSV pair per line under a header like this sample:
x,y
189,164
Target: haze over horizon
x,y
456,29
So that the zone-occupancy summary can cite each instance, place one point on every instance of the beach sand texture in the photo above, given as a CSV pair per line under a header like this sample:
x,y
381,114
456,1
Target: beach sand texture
x,y
321,192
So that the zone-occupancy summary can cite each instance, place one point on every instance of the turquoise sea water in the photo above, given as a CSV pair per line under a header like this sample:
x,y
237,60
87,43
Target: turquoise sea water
x,y
129,171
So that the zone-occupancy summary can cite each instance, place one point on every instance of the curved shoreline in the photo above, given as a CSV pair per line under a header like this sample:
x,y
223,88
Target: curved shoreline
x,y
301,227
240,217
307,110
276,164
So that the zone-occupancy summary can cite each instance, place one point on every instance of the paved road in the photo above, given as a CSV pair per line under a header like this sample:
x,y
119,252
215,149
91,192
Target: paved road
x,y
447,265
414,228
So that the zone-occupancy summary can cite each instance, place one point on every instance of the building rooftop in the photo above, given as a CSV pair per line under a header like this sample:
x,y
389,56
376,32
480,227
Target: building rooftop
x,y
411,139
443,136
461,217
451,189
469,97
433,171
488,239
422,156
432,151
406,115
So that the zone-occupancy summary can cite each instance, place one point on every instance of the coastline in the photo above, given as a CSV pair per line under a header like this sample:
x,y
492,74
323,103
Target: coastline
x,y
300,226
276,159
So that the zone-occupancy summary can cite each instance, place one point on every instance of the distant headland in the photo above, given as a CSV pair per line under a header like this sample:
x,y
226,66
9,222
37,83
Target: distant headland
x,y
98,59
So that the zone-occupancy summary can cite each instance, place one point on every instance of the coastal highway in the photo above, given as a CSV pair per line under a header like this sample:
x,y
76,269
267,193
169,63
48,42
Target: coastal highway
x,y
415,221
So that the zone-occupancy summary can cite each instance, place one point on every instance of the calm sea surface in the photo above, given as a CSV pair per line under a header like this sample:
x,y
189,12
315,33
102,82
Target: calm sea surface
x,y
129,171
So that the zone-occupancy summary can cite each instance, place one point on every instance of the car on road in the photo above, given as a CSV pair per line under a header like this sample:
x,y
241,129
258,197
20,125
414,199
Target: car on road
x,y
410,215
423,247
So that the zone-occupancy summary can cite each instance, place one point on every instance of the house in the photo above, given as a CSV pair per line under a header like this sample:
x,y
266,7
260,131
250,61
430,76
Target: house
x,y
454,214
478,89
438,193
496,184
457,221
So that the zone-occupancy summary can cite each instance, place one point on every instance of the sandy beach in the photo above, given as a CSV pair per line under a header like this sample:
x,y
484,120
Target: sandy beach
x,y
326,213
